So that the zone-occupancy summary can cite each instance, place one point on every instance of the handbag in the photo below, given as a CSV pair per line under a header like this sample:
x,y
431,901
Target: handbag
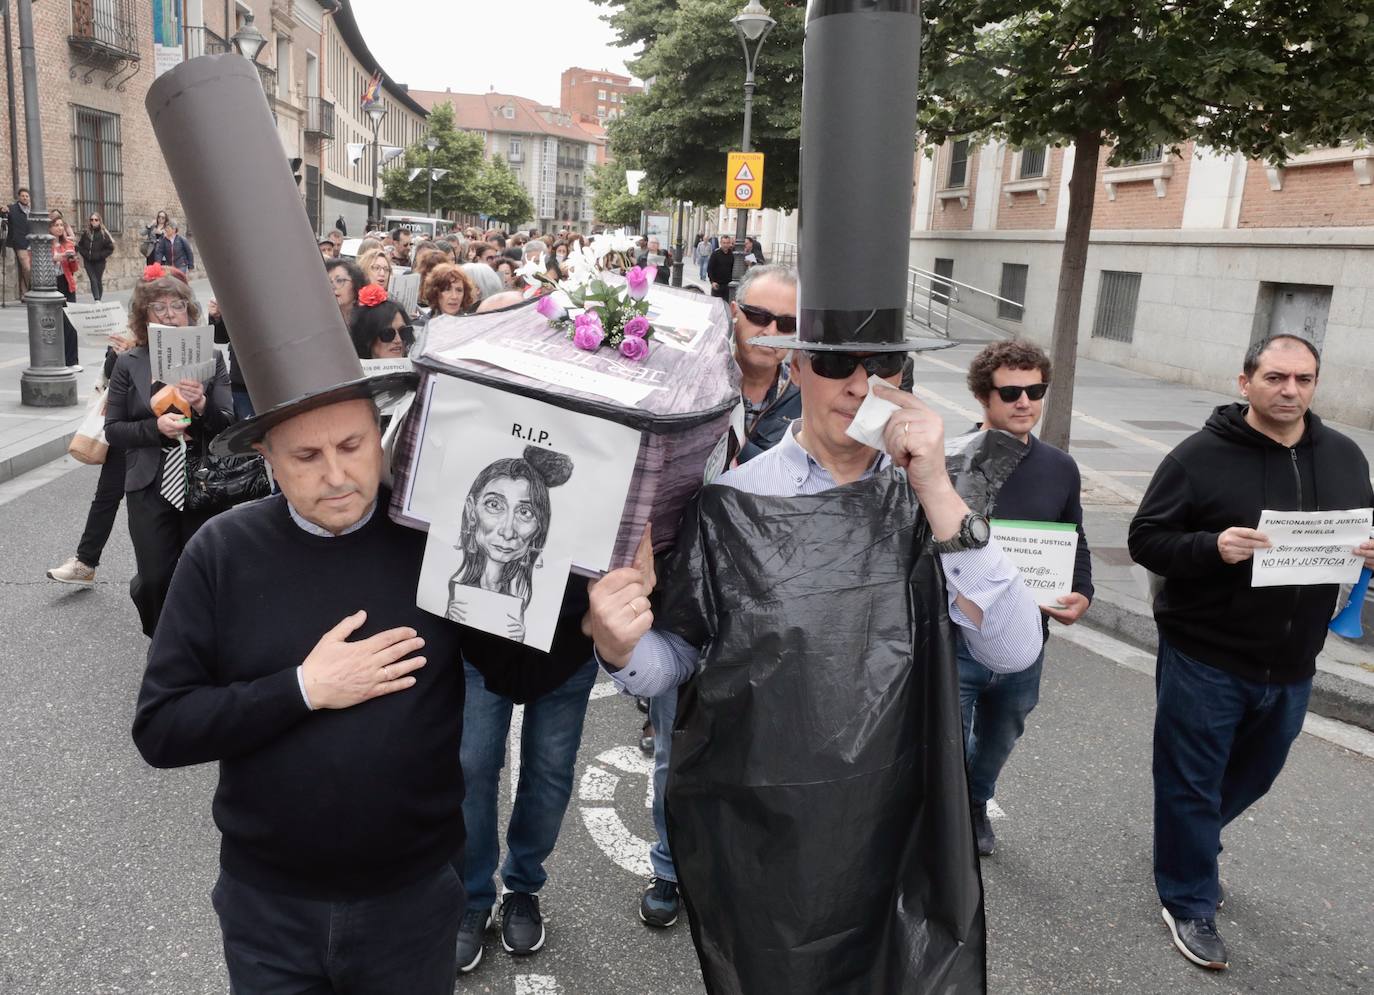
x,y
88,443
217,483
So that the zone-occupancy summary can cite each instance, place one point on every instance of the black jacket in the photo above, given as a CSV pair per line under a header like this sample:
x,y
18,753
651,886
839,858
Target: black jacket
x,y
1224,476
18,237
95,247
719,268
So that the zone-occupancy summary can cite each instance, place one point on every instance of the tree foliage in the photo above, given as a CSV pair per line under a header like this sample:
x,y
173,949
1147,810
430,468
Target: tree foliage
x,y
693,113
1260,78
612,202
502,195
460,152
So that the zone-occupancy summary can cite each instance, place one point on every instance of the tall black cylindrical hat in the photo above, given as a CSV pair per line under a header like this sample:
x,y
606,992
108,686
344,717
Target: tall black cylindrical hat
x,y
211,119
858,146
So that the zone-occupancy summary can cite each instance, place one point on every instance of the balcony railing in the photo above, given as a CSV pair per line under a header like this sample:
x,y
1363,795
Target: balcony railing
x,y
319,117
571,162
200,40
269,81
105,26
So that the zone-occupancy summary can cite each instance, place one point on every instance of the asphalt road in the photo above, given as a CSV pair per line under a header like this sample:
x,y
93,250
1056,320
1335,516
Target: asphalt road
x,y
106,865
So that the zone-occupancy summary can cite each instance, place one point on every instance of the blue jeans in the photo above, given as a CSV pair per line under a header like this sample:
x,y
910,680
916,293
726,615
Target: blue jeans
x,y
403,941
994,708
1219,743
662,715
243,405
550,735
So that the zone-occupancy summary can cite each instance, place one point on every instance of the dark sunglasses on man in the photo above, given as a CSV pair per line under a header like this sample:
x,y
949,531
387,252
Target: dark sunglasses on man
x,y
841,365
762,317
407,333
1011,393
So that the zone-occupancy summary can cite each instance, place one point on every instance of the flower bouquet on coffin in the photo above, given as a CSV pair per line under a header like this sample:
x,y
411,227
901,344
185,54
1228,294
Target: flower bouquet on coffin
x,y
592,305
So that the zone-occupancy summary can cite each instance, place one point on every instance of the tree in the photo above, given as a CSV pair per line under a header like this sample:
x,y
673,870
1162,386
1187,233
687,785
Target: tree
x,y
612,202
693,113
501,194
1258,78
459,152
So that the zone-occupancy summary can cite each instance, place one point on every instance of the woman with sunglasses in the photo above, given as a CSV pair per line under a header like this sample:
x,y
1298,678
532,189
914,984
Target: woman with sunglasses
x,y
95,247
149,421
380,329
345,279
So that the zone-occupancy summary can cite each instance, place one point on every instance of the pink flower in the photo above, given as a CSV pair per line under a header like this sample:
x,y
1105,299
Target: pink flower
x,y
550,308
637,327
587,331
634,348
638,279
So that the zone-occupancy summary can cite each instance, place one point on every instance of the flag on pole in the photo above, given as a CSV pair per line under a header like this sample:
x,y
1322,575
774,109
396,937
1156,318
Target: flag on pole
x,y
355,152
372,94
389,152
410,177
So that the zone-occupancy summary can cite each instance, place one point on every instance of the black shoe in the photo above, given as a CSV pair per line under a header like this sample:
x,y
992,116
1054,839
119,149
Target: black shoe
x,y
522,927
642,704
1199,941
660,903
982,831
646,740
471,934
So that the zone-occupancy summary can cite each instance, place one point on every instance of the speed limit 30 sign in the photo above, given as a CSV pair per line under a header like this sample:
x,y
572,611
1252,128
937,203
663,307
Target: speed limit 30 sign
x,y
744,181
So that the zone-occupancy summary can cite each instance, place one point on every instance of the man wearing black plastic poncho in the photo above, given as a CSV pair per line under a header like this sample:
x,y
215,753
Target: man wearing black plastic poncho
x,y
817,804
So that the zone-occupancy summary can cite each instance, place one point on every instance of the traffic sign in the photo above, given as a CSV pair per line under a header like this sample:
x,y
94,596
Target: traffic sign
x,y
744,181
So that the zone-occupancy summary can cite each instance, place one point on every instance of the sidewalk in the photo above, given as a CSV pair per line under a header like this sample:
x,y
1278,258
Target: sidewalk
x,y
1124,424
30,437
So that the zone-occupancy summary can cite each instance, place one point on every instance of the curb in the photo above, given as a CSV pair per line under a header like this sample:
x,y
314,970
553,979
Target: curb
x,y
51,448
1333,696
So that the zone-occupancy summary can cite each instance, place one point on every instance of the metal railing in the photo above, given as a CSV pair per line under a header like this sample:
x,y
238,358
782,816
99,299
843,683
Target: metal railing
x,y
931,298
269,81
108,25
200,40
319,117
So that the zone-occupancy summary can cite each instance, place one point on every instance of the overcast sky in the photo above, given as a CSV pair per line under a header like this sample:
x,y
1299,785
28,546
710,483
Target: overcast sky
x,y
471,46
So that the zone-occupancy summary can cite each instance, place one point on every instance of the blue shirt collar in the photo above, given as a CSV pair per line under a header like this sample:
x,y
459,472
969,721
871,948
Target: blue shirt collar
x,y
315,530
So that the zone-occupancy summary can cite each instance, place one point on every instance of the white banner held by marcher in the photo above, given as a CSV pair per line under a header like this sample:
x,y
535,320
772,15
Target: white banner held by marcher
x,y
1310,547
1043,552
99,320
404,289
177,353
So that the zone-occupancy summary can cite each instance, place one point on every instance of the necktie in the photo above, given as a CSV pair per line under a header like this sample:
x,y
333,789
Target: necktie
x,y
174,475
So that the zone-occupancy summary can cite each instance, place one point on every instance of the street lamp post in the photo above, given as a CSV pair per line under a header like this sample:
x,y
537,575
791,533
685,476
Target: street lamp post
x,y
676,276
376,111
431,143
752,24
48,382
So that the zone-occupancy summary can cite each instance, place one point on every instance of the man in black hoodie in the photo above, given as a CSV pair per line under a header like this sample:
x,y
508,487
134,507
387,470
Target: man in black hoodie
x,y
1235,662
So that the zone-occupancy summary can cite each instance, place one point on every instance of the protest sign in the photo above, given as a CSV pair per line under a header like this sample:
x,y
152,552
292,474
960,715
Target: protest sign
x,y
381,367
99,320
1043,552
404,289
181,353
1310,547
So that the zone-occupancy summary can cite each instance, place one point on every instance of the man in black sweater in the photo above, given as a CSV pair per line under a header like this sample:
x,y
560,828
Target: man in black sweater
x,y
720,267
1010,379
291,652
1236,661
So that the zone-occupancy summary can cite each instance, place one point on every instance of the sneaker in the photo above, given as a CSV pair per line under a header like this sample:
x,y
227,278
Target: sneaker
x,y
73,572
982,831
471,933
522,927
1198,940
77,368
660,904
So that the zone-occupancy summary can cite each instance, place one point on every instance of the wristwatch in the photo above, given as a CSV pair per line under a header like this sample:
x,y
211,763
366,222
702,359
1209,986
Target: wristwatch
x,y
974,533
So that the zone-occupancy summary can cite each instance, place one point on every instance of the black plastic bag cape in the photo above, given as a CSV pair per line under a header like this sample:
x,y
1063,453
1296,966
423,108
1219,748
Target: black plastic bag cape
x,y
817,804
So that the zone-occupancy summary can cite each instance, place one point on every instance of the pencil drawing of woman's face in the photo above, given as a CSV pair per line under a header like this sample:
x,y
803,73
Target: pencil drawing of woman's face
x,y
506,519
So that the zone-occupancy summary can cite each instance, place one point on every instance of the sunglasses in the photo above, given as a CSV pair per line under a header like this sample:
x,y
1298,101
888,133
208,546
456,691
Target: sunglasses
x,y
841,365
407,333
1010,394
762,317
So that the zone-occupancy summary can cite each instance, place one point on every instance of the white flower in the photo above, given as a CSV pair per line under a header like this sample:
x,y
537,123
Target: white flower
x,y
531,271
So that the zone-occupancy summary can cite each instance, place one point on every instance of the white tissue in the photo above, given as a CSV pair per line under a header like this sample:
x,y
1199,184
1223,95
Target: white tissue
x,y
871,418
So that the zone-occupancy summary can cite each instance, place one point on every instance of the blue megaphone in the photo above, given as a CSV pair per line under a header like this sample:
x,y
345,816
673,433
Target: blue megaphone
x,y
1347,623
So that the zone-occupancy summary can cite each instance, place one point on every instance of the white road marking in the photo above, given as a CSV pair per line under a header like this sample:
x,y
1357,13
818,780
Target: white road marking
x,y
630,760
1344,735
597,785
995,810
625,849
604,689
536,984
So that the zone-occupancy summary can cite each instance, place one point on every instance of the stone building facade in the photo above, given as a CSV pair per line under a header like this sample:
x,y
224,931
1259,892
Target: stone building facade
x,y
1193,256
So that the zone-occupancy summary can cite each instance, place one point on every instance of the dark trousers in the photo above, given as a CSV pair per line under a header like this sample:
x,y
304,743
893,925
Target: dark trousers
x,y
109,491
69,340
159,533
994,708
404,941
95,272
1220,741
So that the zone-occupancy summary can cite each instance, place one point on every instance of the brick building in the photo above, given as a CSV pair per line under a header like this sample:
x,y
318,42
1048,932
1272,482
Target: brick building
x,y
550,149
1193,256
597,93
96,60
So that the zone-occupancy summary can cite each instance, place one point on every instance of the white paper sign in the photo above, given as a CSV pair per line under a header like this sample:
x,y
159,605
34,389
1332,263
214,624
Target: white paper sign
x,y
99,320
679,322
181,353
550,371
1310,547
1043,552
381,367
404,289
